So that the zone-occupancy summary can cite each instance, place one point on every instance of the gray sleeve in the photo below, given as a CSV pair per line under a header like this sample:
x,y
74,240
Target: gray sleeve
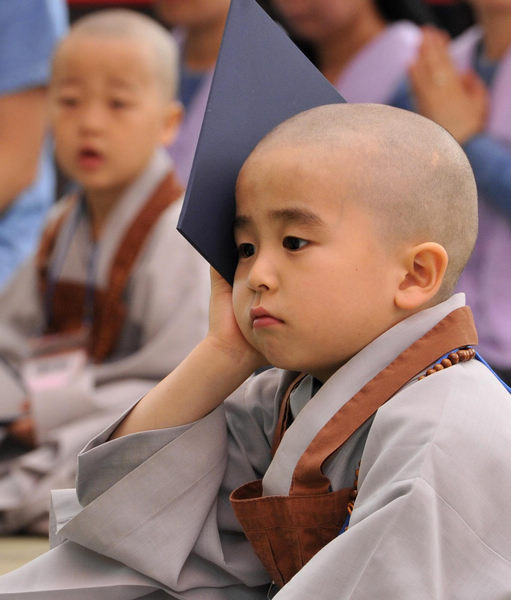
x,y
117,457
159,501
21,316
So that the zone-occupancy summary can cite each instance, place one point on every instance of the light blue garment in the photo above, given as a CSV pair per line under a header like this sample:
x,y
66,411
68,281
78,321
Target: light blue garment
x,y
29,30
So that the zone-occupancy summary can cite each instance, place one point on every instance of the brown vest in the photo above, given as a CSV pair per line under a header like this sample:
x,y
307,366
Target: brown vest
x,y
286,531
109,311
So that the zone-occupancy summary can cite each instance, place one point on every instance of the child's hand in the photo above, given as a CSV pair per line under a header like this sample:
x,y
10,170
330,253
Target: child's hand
x,y
223,328
210,373
458,102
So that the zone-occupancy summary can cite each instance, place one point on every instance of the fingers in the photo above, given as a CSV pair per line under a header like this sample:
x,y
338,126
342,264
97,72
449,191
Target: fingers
x,y
434,65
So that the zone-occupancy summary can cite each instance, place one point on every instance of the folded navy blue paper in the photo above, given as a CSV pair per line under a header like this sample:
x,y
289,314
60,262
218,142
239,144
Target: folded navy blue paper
x,y
261,79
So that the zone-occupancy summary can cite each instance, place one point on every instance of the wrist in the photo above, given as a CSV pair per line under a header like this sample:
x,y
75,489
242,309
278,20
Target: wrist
x,y
464,134
233,362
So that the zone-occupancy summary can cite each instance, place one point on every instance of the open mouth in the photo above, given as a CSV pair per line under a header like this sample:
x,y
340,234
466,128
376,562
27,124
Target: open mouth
x,y
89,158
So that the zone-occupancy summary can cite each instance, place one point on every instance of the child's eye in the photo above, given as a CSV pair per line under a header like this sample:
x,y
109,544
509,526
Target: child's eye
x,y
294,243
117,103
69,101
246,250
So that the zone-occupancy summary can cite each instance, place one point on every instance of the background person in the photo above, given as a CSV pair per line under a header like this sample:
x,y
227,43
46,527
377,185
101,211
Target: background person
x,y
115,297
30,30
465,87
363,47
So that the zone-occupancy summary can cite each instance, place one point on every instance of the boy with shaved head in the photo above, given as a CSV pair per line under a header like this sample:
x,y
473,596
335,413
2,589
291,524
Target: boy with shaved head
x,y
371,461
107,319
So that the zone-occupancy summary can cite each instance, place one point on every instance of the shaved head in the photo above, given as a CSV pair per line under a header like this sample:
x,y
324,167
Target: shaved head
x,y
406,170
130,25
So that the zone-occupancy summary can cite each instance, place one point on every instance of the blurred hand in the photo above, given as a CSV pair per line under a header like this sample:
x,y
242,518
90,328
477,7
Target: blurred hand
x,y
458,102
23,430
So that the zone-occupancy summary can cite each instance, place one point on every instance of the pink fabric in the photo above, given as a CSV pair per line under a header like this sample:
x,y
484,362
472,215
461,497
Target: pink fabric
x,y
487,277
374,74
182,150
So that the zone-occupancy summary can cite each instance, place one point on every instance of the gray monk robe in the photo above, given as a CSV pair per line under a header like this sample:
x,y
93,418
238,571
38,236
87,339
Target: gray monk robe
x,y
431,519
166,302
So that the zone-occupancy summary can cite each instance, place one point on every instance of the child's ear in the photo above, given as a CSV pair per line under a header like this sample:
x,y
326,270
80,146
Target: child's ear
x,y
425,267
172,119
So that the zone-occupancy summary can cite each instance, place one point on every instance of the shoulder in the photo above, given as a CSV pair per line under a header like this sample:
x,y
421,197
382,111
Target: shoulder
x,y
451,427
166,247
467,394
449,434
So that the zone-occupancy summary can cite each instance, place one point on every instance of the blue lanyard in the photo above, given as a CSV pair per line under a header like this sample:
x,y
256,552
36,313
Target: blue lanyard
x,y
56,265
481,359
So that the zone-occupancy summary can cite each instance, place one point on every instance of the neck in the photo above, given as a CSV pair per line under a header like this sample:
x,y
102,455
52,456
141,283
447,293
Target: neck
x,y
337,50
100,205
497,32
202,45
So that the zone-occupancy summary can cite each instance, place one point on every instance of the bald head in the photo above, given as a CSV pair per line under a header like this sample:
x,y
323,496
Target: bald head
x,y
406,170
133,26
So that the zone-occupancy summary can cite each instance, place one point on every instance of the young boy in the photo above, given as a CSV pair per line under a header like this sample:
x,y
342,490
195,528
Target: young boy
x,y
351,236
123,296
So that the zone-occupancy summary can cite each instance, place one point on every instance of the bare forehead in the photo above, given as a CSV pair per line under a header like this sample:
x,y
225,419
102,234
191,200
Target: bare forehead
x,y
307,164
290,184
99,57
77,43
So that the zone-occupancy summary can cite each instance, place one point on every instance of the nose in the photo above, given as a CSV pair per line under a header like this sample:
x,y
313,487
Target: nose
x,y
92,117
262,274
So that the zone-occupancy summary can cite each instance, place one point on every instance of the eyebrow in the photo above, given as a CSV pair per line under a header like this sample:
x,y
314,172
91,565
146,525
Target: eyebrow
x,y
64,81
119,83
296,216
114,83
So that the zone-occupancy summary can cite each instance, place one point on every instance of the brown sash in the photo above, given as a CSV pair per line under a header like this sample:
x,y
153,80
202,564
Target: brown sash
x,y
286,531
68,298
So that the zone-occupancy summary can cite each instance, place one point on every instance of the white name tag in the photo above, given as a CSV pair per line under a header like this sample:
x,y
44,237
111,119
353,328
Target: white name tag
x,y
55,361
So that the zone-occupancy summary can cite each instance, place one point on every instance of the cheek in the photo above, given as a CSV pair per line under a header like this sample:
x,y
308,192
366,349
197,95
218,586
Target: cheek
x,y
58,125
239,303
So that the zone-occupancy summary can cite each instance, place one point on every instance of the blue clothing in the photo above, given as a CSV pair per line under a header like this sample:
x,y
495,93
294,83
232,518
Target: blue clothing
x,y
489,157
29,31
